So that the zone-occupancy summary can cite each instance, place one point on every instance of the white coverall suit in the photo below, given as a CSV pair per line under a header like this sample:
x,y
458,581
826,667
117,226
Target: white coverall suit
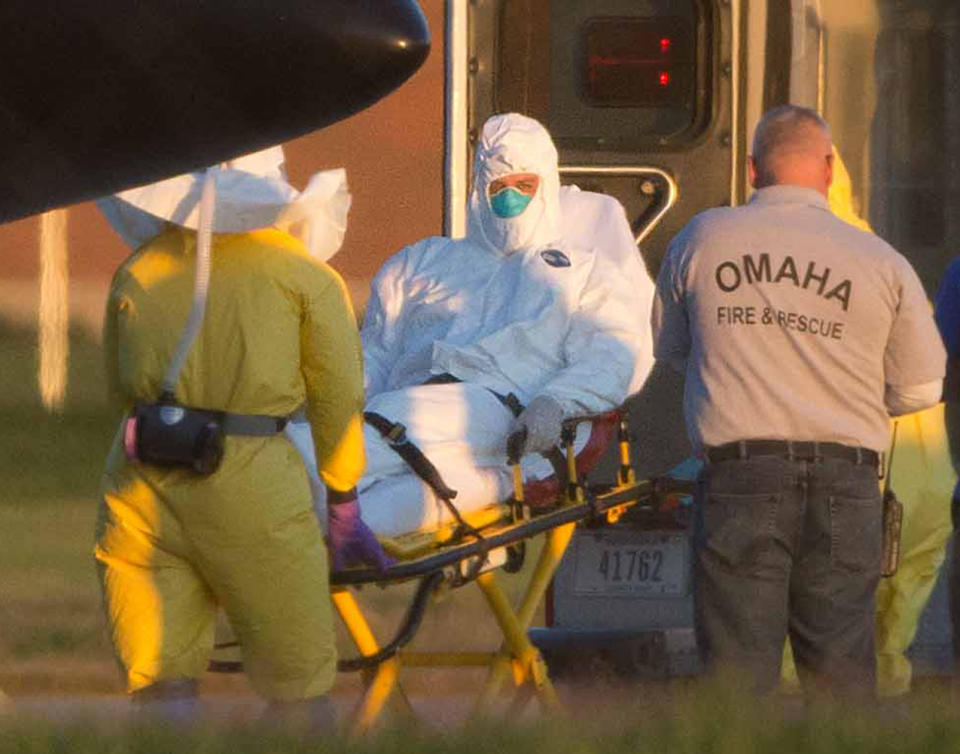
x,y
554,301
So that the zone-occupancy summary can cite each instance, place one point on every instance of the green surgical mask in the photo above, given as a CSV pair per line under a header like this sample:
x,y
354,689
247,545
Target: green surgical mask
x,y
508,202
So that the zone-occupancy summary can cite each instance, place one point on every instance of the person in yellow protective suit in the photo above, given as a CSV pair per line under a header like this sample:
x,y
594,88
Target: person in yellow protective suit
x,y
923,478
278,333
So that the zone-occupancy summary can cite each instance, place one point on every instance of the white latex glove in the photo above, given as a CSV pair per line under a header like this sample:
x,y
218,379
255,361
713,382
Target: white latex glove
x,y
541,421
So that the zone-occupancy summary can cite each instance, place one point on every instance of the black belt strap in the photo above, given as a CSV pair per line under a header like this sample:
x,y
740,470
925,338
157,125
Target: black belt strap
x,y
252,425
798,451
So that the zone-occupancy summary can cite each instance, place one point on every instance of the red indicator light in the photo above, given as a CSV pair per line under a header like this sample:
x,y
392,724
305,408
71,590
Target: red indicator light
x,y
664,78
664,44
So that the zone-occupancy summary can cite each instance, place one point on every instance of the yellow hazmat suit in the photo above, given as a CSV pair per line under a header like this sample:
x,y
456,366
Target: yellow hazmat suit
x,y
923,478
171,546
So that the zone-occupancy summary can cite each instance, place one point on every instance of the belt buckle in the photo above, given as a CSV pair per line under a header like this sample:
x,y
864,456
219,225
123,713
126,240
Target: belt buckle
x,y
397,434
817,455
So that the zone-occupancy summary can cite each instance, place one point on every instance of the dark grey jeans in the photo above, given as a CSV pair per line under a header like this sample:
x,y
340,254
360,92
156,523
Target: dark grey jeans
x,y
789,548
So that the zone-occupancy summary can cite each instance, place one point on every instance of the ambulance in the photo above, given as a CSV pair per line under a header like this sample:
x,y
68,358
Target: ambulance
x,y
652,102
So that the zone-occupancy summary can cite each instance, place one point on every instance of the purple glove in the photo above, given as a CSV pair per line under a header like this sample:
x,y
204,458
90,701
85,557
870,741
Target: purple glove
x,y
351,540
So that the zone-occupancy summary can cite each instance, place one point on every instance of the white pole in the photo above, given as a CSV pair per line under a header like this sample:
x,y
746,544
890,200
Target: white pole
x,y
53,318
456,170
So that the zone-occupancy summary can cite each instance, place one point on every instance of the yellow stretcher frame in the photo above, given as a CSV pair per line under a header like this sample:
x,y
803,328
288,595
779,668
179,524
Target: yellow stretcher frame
x,y
517,661
517,658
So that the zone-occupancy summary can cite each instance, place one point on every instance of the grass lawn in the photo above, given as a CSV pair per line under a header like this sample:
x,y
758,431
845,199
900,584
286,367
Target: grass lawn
x,y
51,457
696,723
51,629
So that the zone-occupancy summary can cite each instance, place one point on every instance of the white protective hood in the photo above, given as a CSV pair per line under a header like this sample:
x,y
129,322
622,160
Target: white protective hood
x,y
513,143
251,192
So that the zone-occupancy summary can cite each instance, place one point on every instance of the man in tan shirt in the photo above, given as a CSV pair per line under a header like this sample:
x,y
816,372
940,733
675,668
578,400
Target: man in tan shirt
x,y
799,336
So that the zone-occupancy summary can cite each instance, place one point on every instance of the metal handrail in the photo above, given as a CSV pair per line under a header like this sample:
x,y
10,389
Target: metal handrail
x,y
633,171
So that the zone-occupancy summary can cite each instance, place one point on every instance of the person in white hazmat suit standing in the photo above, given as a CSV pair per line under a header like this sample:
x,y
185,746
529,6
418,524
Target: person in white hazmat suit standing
x,y
540,313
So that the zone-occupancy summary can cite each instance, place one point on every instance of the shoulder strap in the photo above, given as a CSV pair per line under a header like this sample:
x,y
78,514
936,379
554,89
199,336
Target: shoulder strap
x,y
201,284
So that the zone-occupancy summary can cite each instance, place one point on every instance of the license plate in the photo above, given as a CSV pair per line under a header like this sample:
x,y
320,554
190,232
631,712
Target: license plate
x,y
631,563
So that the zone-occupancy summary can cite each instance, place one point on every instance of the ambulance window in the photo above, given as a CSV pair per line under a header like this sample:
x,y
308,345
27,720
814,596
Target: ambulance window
x,y
630,62
607,73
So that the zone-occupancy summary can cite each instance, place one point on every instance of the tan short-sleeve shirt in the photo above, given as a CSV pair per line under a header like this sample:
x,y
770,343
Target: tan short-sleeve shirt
x,y
791,323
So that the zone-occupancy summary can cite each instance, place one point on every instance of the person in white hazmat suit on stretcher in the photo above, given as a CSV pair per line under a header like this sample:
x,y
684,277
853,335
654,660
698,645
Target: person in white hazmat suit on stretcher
x,y
540,313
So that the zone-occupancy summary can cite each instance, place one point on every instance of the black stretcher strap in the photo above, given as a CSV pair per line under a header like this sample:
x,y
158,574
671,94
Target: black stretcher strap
x,y
510,401
405,633
396,436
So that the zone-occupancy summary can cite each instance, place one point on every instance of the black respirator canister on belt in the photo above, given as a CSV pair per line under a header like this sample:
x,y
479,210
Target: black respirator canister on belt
x,y
166,433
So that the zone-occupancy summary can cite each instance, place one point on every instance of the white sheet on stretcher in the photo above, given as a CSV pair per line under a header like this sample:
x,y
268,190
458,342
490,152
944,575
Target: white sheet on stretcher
x,y
462,428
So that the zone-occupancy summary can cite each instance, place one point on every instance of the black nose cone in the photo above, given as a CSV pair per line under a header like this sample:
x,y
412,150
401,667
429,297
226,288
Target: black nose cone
x,y
97,97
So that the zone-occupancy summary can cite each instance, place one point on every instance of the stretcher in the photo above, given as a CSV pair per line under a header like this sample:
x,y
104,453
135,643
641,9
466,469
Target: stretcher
x,y
472,552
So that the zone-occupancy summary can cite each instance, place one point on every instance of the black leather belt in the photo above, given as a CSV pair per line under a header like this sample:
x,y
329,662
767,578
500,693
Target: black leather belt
x,y
510,401
797,451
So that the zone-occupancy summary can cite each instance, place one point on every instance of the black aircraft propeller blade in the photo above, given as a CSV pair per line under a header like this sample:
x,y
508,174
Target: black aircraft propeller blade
x,y
100,96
